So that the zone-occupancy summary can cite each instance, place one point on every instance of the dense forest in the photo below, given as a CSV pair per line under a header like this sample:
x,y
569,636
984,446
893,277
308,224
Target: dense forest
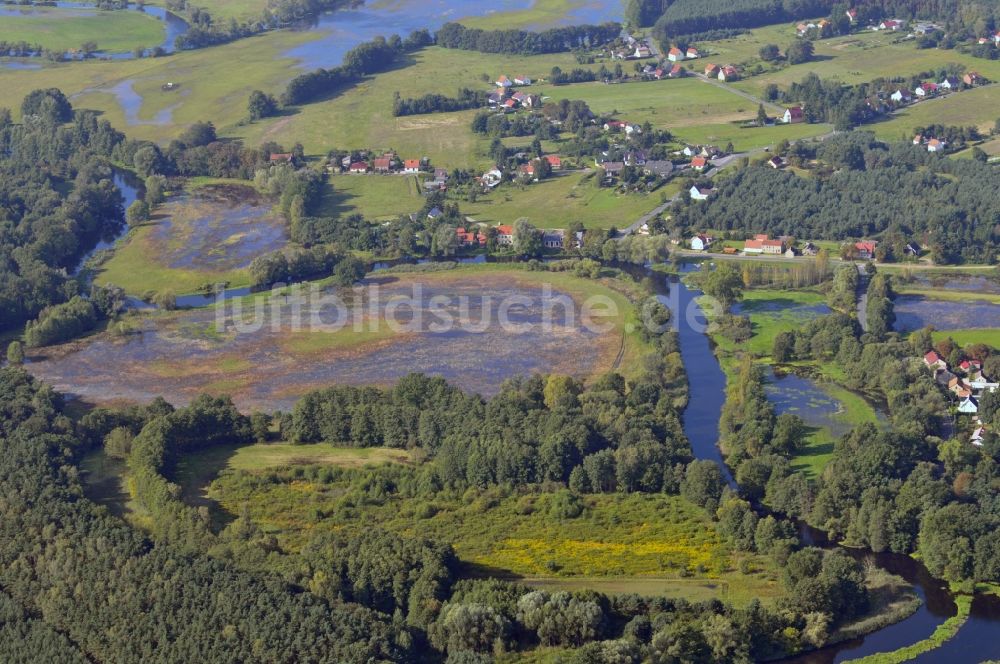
x,y
948,204
685,17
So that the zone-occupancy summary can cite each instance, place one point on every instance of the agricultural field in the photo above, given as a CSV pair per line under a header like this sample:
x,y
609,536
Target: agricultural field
x,y
970,108
65,29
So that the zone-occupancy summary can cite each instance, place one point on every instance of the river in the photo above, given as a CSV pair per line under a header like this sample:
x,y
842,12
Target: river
x,y
975,642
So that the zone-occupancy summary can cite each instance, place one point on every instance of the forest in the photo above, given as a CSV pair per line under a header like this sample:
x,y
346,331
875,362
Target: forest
x,y
900,188
685,17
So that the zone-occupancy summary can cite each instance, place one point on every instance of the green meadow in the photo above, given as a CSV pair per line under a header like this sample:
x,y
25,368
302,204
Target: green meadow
x,y
64,29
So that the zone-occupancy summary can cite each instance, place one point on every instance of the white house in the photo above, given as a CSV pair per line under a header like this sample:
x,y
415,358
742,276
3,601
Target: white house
x,y
700,193
675,54
901,96
793,115
700,242
504,82
522,80
969,406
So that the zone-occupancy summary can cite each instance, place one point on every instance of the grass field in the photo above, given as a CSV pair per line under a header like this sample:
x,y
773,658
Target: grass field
x,y
64,29
977,108
378,198
556,202
988,336
774,311
543,13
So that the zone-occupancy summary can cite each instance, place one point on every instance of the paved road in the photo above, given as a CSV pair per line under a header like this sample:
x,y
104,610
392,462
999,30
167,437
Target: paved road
x,y
863,296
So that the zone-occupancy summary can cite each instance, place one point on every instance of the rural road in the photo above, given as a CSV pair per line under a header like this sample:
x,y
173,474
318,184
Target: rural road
x,y
863,296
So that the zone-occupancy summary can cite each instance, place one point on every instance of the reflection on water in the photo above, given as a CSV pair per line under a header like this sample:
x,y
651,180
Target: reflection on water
x,y
915,311
344,29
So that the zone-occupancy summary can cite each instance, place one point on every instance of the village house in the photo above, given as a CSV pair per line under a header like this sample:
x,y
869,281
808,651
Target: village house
x,y
676,72
762,244
934,362
809,249
969,406
793,115
700,193
970,365
504,82
522,80
711,70
926,89
790,252
554,161
470,238
642,52
949,83
865,250
893,24
281,158
729,73
659,168
901,96
411,166
936,145
692,53
553,239
912,249
675,54
776,162
701,242
971,78
699,163
613,169
505,236
383,164
358,167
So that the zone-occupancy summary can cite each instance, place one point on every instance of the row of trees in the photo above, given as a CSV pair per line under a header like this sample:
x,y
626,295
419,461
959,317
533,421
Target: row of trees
x,y
437,103
522,42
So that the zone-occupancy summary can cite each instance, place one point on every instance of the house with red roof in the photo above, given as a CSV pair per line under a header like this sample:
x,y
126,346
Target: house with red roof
x,y
554,161
505,235
411,166
794,115
676,71
675,54
382,164
865,250
729,73
934,361
692,53
970,365
971,78
711,70
470,238
699,163
281,158
926,89
504,82
762,244
358,167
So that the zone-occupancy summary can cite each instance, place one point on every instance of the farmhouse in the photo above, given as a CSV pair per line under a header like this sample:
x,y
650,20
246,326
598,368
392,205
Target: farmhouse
x,y
411,166
281,158
383,164
527,171
794,115
554,161
776,162
675,54
504,82
701,242
522,80
761,244
711,70
613,169
699,163
926,89
692,53
949,83
358,167
971,78
969,406
892,24
676,71
935,145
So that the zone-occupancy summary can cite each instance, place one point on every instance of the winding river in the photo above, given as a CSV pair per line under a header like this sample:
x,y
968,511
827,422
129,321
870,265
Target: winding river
x,y
976,641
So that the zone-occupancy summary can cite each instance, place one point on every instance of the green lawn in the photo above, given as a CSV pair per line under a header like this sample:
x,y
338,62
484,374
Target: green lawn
x,y
988,336
64,29
556,202
750,138
977,107
376,197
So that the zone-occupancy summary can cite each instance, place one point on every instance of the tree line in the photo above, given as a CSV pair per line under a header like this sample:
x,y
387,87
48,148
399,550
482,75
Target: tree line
x,y
523,42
